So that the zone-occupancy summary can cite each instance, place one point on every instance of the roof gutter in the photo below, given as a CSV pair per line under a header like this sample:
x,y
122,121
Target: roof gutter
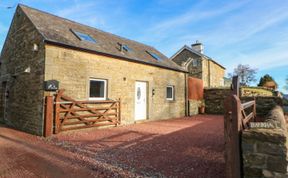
x,y
51,42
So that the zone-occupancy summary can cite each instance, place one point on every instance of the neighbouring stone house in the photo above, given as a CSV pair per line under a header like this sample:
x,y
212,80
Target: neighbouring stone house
x,y
270,84
227,82
199,65
89,64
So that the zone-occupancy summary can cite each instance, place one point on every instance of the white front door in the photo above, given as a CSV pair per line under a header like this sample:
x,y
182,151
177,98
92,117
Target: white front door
x,y
140,100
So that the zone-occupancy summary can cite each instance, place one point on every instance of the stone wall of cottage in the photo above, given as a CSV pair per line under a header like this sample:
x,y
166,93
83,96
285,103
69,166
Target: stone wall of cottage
x,y
213,74
73,69
217,75
23,109
193,107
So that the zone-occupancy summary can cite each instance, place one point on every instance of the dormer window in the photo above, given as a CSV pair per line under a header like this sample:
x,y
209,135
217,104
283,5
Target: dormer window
x,y
155,56
84,36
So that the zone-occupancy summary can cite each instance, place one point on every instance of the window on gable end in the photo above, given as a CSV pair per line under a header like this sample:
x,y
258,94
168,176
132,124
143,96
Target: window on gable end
x,y
194,62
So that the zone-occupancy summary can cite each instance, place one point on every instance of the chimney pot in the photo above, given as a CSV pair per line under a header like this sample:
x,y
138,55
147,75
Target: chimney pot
x,y
197,46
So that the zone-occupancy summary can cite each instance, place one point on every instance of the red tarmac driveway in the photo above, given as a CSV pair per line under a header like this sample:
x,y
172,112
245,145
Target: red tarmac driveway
x,y
184,147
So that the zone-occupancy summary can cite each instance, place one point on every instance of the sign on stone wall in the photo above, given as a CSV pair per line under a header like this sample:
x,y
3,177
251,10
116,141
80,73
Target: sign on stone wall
x,y
263,125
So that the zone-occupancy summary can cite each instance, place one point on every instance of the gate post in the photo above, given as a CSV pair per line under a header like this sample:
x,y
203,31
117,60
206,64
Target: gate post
x,y
232,131
237,128
48,116
235,86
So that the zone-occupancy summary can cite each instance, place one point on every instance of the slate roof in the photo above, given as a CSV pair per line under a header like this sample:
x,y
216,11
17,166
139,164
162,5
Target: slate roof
x,y
58,31
195,52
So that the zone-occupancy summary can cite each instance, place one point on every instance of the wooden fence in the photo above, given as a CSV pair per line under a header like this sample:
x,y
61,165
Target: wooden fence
x,y
195,89
236,119
68,114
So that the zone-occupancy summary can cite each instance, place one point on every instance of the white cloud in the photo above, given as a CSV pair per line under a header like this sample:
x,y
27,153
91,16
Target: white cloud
x,y
246,36
194,15
75,9
244,26
84,12
273,57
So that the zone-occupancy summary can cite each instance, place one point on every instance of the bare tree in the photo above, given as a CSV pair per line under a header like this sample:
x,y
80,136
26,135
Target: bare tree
x,y
246,74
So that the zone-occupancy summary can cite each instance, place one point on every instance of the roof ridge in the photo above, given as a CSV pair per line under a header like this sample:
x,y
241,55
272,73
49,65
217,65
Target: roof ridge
x,y
94,28
19,6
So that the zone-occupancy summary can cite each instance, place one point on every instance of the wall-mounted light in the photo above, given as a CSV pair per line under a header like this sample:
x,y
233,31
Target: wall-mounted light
x,y
26,71
153,92
35,47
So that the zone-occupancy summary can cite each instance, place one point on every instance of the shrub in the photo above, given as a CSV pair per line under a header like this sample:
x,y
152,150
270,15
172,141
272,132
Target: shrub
x,y
285,102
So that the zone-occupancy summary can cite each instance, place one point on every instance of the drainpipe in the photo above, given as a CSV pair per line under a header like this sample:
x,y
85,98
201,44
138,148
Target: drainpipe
x,y
209,74
186,95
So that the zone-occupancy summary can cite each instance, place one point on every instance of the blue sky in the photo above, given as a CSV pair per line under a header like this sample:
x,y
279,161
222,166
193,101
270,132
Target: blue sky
x,y
253,32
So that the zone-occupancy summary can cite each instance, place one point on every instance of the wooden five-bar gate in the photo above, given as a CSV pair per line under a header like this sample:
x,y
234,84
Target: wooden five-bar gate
x,y
64,113
236,119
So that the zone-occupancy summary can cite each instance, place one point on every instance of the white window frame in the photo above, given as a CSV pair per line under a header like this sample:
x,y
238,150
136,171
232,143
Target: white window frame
x,y
105,89
173,95
194,62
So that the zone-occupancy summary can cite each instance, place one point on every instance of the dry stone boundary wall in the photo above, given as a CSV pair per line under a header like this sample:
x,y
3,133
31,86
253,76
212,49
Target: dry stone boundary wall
x,y
214,101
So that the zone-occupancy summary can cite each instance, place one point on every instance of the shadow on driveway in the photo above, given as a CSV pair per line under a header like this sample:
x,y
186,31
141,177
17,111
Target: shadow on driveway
x,y
187,147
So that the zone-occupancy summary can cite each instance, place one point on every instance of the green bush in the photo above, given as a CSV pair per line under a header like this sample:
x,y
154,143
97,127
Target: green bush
x,y
285,102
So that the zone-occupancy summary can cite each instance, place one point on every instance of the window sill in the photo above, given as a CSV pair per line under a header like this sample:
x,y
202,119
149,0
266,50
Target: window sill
x,y
97,99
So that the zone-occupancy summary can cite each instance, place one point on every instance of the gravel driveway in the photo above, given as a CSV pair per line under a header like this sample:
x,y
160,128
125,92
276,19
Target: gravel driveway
x,y
185,147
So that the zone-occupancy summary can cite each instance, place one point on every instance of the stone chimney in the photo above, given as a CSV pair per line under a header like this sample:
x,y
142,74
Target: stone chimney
x,y
198,47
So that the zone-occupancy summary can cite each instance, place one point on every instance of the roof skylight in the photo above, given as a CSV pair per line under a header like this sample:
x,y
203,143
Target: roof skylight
x,y
84,36
155,56
124,47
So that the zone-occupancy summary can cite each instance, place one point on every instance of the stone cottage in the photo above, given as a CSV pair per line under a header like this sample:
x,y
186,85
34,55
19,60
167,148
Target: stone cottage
x,y
89,64
199,65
